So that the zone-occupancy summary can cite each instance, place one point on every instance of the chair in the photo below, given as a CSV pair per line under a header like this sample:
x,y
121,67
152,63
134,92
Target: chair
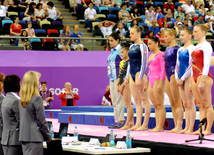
x,y
105,12
35,25
96,30
142,24
114,9
48,44
11,15
53,33
197,11
103,8
177,4
21,15
112,18
159,4
40,33
127,25
102,17
35,43
58,25
6,26
194,19
23,24
115,12
128,9
71,5
45,25
143,18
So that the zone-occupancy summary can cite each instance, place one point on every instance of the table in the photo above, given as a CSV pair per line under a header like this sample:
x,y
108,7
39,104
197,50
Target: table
x,y
85,148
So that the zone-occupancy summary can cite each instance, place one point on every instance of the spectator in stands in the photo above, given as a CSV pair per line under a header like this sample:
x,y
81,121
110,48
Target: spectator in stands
x,y
3,12
179,13
188,18
120,27
207,4
169,5
65,43
21,5
150,16
165,26
186,24
130,3
188,8
30,13
52,13
169,16
24,42
147,4
136,15
178,20
46,95
30,30
30,1
149,35
210,20
199,20
135,23
40,14
117,3
107,96
12,5
162,41
68,96
202,10
90,15
98,3
105,102
157,12
124,15
154,28
44,4
76,43
106,30
108,3
15,28
209,15
180,27
78,3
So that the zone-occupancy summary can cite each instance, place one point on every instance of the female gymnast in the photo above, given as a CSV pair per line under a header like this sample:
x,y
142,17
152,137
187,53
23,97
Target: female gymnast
x,y
138,55
125,91
182,75
156,77
171,85
201,82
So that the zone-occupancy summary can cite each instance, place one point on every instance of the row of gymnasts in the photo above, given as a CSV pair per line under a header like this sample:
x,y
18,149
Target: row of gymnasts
x,y
181,72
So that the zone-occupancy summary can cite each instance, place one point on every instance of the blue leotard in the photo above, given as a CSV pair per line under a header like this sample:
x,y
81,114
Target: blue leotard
x,y
170,60
138,55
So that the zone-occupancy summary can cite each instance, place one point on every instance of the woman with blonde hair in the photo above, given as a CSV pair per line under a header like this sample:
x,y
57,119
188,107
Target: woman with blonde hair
x,y
171,85
33,126
201,81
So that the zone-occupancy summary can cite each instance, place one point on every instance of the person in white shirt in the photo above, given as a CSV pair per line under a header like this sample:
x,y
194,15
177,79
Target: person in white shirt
x,y
3,11
209,19
40,14
188,8
120,27
106,29
52,12
90,15
150,16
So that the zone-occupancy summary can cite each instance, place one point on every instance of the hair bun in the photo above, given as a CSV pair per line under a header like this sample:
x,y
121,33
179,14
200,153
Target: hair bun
x,y
118,32
126,44
207,25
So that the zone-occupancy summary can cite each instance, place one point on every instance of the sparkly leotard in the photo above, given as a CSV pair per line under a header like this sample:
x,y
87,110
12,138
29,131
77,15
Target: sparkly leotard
x,y
138,55
183,64
201,58
156,68
170,60
123,68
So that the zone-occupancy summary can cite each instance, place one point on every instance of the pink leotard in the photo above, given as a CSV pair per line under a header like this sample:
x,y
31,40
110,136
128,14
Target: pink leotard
x,y
156,68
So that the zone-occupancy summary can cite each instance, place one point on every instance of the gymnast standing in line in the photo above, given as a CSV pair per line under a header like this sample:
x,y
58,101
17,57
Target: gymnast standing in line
x,y
171,85
138,55
125,90
182,75
201,82
156,77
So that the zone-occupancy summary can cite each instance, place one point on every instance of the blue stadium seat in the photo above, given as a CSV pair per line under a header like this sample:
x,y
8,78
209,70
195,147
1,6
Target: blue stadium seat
x,y
34,40
102,8
40,33
21,15
128,9
113,18
158,3
177,4
114,8
127,25
143,18
142,24
6,22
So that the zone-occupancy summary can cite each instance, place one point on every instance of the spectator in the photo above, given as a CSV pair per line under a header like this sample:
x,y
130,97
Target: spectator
x,y
186,24
150,33
188,18
124,15
30,13
46,95
52,12
12,5
108,3
15,28
188,8
210,20
154,28
68,96
107,96
130,3
207,4
117,3
169,17
65,43
44,4
165,26
21,5
211,9
90,15
147,4
105,102
24,42
178,19
209,15
97,3
3,12
120,27
199,20
157,12
150,16
202,10
106,30
179,13
40,14
79,6
180,27
169,5
76,43
30,30
162,42
30,1
136,15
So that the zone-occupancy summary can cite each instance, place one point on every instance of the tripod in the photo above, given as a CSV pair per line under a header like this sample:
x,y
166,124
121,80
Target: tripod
x,y
201,137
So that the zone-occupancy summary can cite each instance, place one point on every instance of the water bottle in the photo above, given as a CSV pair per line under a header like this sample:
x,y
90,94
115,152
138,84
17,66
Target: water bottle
x,y
128,140
52,131
76,132
111,139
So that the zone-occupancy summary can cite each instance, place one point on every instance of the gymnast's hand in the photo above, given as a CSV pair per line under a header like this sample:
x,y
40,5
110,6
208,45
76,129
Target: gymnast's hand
x,y
117,88
139,83
201,87
179,82
126,82
145,88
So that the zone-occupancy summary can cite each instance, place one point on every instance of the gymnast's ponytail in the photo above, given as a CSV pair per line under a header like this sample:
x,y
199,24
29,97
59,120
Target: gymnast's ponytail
x,y
126,46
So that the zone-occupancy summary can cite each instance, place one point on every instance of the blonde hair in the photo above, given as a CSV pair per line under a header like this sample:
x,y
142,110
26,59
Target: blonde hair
x,y
189,31
136,28
204,27
107,87
172,32
30,87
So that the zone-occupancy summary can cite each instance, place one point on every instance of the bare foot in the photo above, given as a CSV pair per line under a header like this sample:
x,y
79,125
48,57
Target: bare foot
x,y
142,128
207,132
153,129
175,130
183,131
197,132
189,131
125,127
157,129
134,128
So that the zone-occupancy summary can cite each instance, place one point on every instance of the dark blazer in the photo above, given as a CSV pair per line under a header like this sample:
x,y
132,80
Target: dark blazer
x,y
33,126
10,115
1,122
